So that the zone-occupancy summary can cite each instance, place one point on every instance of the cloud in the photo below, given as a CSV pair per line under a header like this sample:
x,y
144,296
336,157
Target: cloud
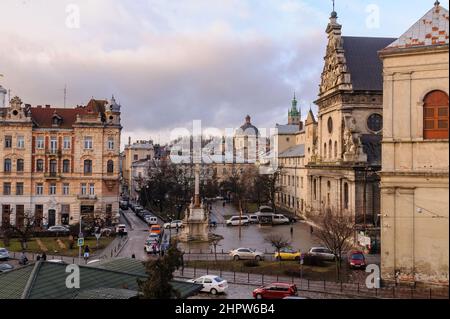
x,y
168,63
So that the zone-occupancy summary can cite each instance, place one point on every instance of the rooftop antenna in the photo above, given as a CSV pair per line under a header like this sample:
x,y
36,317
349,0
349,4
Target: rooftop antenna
x,y
65,95
333,6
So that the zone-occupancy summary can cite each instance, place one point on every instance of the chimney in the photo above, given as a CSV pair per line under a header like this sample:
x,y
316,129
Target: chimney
x,y
129,140
47,106
39,106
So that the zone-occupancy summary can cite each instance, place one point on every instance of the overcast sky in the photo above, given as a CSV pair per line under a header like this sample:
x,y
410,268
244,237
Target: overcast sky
x,y
169,62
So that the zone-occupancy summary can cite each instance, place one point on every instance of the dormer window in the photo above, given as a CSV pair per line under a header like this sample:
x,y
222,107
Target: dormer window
x,y
56,120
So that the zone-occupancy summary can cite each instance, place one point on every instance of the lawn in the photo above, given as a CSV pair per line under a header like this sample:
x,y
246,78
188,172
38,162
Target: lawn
x,y
273,268
59,248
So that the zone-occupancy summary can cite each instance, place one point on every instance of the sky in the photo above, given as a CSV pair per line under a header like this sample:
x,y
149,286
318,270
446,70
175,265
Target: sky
x,y
169,62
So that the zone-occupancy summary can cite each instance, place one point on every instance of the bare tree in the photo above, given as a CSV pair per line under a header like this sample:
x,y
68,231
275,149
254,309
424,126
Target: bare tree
x,y
334,232
25,228
215,242
278,242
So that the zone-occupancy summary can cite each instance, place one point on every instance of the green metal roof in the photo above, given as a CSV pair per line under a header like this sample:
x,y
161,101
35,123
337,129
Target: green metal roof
x,y
45,280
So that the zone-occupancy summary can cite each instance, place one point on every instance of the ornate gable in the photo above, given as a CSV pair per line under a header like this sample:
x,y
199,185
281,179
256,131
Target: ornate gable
x,y
335,75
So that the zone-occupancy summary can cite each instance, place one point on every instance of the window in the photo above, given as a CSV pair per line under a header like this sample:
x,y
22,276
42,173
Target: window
x,y
87,167
40,142
83,189
335,149
20,165
39,189
66,166
53,144
66,142
53,167
110,167
330,125
315,189
6,188
136,157
111,143
346,198
325,150
66,189
7,165
8,141
91,189
52,189
20,142
88,145
19,189
435,116
375,123
40,165
330,149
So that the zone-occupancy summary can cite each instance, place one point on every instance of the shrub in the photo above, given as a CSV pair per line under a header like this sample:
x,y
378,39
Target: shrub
x,y
251,263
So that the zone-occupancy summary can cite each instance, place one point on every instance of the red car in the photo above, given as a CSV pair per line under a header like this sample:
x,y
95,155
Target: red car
x,y
356,259
275,291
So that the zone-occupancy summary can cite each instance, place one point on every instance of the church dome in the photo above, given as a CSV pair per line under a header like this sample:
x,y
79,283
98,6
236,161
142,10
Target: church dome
x,y
248,128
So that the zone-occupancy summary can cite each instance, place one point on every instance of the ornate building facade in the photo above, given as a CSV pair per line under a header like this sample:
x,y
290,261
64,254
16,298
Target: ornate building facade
x,y
415,174
59,163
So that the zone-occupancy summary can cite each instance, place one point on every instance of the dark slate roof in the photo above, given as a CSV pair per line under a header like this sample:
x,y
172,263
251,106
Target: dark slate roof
x,y
364,64
45,280
295,151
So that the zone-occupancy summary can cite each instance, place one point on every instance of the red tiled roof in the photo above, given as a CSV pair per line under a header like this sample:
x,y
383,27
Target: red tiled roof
x,y
43,116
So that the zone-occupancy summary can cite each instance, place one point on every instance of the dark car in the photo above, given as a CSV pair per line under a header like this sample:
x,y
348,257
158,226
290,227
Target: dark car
x,y
356,260
123,205
275,291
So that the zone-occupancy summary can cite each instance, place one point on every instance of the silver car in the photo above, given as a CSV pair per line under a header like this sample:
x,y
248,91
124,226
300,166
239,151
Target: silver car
x,y
6,268
4,254
322,253
58,229
246,253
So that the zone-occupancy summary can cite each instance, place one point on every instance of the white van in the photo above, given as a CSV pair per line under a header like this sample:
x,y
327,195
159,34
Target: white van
x,y
237,220
279,219
151,220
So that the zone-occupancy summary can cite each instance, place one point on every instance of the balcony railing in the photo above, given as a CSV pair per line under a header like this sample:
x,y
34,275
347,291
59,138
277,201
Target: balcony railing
x,y
87,197
52,175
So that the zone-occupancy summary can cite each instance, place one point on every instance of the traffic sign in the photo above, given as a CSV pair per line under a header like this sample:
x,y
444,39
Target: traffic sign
x,y
80,242
98,235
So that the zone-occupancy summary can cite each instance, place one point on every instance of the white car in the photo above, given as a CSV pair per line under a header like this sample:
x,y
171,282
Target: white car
x,y
122,228
254,219
211,284
322,252
246,253
151,220
279,219
149,247
56,261
4,254
58,229
237,221
174,224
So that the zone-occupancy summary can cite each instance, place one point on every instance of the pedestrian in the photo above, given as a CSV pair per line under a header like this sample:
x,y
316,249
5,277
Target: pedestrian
x,y
292,230
177,228
133,256
311,229
154,248
38,257
44,256
86,253
23,259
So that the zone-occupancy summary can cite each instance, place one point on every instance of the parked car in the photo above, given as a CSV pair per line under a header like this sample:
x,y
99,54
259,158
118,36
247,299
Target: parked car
x,y
174,224
237,220
356,259
138,208
275,291
287,253
211,284
123,205
58,229
154,238
279,219
131,206
121,228
246,253
6,267
151,220
155,229
322,252
4,254
254,219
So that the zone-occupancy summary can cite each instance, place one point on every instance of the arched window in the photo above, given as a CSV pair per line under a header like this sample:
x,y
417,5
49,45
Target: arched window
x,y
335,150
346,195
87,167
7,165
110,167
39,165
330,149
435,116
66,166
325,150
20,165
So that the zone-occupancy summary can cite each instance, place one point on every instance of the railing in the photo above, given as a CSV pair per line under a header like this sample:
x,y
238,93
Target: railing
x,y
322,287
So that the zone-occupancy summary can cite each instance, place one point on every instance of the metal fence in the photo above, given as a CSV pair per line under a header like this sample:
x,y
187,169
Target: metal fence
x,y
354,290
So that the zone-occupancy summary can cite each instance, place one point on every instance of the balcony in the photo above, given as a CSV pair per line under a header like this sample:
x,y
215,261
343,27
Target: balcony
x,y
53,152
87,197
52,176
